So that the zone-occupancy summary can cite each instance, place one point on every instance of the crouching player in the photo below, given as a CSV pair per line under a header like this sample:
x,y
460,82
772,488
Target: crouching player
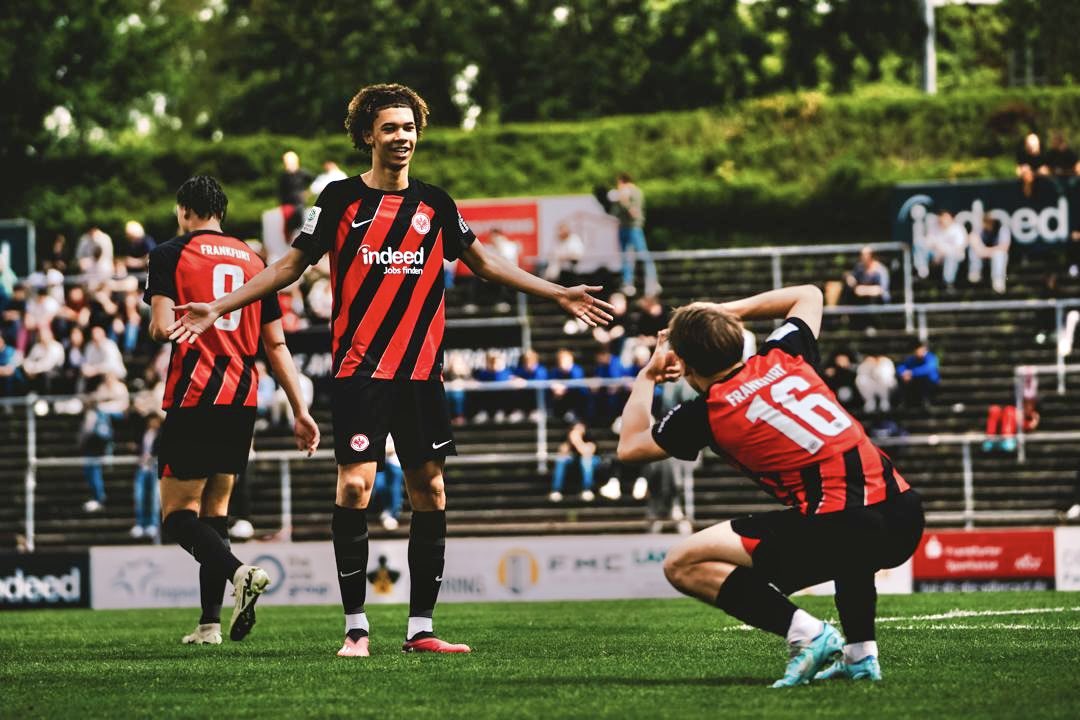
x,y
210,399
772,416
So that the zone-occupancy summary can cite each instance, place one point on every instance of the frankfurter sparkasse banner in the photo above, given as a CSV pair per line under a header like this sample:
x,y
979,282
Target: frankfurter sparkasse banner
x,y
1046,218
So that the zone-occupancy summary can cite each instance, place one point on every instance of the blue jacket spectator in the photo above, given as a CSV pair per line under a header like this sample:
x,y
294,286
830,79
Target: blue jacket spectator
x,y
571,404
919,376
494,404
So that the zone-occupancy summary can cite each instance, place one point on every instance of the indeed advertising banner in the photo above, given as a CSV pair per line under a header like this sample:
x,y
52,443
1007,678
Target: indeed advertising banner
x,y
44,580
1047,216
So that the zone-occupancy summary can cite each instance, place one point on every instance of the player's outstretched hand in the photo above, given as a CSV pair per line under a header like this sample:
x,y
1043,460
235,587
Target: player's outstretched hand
x,y
197,320
579,303
306,431
663,365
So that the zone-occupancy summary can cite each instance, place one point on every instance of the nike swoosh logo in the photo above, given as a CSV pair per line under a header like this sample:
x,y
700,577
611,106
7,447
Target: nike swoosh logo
x,y
349,574
358,224
438,579
435,446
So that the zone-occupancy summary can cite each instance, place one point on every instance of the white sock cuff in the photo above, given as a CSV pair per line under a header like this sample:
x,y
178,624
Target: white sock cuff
x,y
356,621
854,652
418,625
804,628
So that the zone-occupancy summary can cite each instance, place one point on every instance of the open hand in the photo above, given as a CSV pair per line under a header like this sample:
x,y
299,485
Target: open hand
x,y
197,320
306,431
580,304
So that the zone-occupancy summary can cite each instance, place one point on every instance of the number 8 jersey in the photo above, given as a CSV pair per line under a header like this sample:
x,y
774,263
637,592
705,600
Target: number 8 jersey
x,y
219,367
776,420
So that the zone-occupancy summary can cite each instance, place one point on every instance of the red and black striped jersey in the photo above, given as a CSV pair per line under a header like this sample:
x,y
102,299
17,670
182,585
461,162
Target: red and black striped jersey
x,y
219,367
386,269
776,419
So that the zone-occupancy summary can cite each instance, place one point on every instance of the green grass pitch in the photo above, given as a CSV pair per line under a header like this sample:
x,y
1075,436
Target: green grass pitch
x,y
620,659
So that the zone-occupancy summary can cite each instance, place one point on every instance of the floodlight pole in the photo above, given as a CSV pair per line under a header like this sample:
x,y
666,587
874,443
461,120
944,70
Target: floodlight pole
x,y
930,54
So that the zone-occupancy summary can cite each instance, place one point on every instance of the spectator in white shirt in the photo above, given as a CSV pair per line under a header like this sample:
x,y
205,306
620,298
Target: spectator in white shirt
x,y
44,364
875,378
331,173
97,263
948,246
568,251
102,356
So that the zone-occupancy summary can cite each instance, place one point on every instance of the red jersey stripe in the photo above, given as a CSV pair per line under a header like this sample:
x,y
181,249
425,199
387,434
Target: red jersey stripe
x,y
380,226
231,383
874,472
199,376
432,343
833,484
376,311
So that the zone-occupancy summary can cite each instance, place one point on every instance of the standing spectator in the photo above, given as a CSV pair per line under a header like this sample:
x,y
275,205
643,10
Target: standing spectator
x,y
44,364
840,376
389,487
331,173
868,281
1062,160
102,356
140,243
95,441
94,254
628,207
875,379
919,376
147,498
579,446
568,403
1030,163
10,374
528,368
991,242
564,257
292,184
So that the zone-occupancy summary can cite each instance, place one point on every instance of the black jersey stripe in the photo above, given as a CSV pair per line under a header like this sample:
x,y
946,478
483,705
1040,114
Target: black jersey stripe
x,y
215,381
187,369
347,254
891,486
811,480
420,333
855,493
247,377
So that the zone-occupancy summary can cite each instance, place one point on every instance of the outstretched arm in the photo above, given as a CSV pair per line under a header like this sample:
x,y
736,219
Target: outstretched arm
x,y
802,301
305,429
200,316
574,301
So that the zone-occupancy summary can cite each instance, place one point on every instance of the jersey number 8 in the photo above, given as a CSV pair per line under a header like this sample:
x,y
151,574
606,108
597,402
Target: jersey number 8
x,y
231,321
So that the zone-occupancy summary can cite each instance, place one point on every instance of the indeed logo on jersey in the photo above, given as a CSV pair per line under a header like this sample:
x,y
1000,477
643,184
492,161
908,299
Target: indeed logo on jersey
x,y
748,388
394,262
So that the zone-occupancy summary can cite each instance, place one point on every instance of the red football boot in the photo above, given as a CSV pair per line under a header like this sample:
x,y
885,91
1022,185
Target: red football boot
x,y
354,648
427,642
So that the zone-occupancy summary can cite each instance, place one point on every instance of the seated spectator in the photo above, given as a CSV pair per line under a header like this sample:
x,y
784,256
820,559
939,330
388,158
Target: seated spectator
x,y
868,281
579,446
528,368
102,356
614,335
49,278
129,324
388,487
1000,428
112,397
147,499
991,242
608,401
10,373
122,281
264,396
41,309
75,349
44,364
875,378
1062,160
94,253
919,376
140,243
564,257
13,318
456,373
840,376
493,404
946,244
1030,163
571,404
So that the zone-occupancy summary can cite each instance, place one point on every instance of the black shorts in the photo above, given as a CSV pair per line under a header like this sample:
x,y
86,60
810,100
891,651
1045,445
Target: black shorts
x,y
794,551
199,442
414,412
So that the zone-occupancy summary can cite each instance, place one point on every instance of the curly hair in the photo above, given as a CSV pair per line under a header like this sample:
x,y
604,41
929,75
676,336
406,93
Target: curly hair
x,y
367,103
203,196
706,338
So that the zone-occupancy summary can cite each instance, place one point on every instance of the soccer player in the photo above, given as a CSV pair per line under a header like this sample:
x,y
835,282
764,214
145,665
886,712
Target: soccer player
x,y
210,399
772,416
388,234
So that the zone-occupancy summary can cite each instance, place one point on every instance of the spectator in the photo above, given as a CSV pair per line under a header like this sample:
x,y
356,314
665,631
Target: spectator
x,y
875,379
57,257
10,374
139,246
1000,428
868,281
94,254
608,401
128,326
919,376
571,404
102,356
628,207
112,397
946,244
1062,160
95,441
457,373
493,404
528,368
8,279
839,375
646,322
41,309
1030,163
281,412
320,299
388,487
75,349
49,278
264,396
44,364
13,317
579,446
672,485
614,335
331,173
292,184
147,499
991,242
564,257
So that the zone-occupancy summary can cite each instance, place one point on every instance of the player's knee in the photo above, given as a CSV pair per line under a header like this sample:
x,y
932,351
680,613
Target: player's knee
x,y
354,488
676,567
427,493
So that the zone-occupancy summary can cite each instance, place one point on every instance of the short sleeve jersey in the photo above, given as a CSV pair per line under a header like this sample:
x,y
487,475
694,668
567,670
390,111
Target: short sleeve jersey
x,y
777,420
219,367
386,269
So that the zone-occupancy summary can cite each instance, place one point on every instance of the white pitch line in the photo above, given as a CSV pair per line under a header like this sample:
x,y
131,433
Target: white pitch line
x,y
991,626
958,614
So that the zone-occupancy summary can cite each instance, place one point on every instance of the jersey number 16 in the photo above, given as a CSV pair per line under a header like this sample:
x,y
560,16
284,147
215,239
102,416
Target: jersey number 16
x,y
815,410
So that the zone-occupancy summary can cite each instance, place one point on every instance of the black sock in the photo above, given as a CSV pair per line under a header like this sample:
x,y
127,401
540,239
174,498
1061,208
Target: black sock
x,y
350,532
427,556
746,596
204,544
211,583
856,602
